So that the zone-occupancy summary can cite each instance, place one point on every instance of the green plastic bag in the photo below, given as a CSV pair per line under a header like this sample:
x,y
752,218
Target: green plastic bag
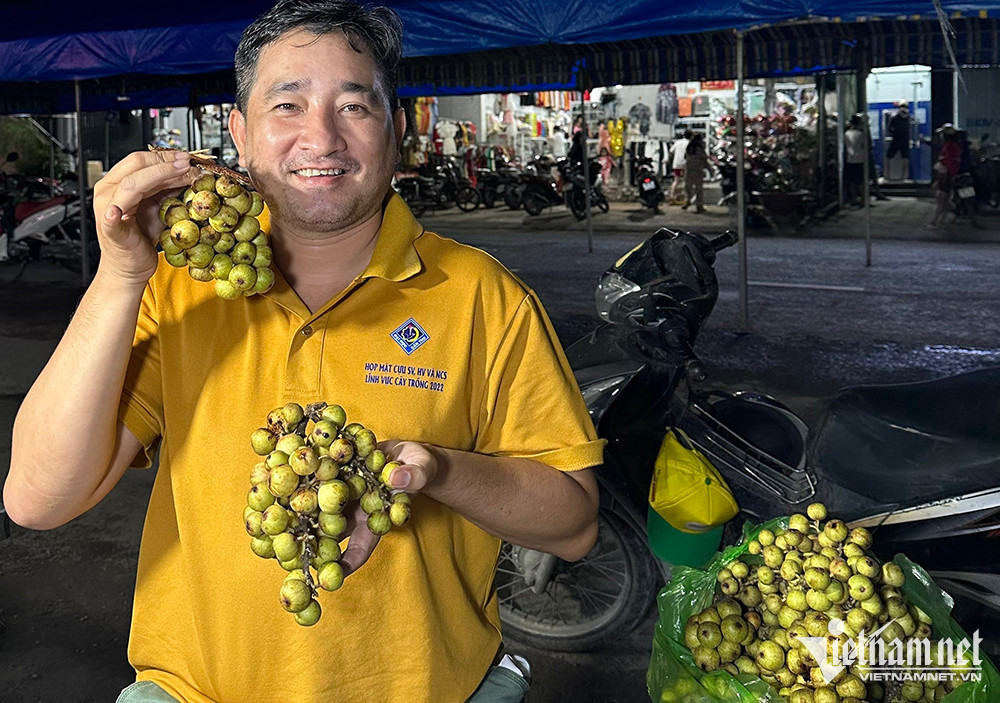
x,y
673,677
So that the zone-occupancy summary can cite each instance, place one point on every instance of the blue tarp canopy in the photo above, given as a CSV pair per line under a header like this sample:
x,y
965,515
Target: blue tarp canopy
x,y
184,53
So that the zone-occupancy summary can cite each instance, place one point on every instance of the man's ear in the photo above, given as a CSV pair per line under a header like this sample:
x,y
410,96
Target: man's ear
x,y
399,125
238,131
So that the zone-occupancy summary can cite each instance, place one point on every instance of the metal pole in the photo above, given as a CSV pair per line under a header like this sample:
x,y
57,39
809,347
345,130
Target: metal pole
x,y
954,97
81,172
52,159
863,71
821,140
841,109
741,210
586,172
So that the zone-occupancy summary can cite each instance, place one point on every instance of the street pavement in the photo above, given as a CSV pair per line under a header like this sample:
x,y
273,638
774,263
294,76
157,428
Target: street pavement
x,y
819,317
898,218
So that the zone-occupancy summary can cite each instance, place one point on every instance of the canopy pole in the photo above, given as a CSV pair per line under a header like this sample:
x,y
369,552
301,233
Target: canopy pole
x,y
741,213
586,169
841,123
52,158
866,175
81,174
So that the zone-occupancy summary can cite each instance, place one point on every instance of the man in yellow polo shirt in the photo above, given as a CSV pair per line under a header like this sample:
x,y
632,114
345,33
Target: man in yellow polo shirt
x,y
427,342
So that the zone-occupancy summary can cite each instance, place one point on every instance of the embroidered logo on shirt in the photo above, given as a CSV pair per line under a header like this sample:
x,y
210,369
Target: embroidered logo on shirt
x,y
409,336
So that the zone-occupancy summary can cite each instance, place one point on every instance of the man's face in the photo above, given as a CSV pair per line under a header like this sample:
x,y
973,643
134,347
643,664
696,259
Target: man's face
x,y
317,137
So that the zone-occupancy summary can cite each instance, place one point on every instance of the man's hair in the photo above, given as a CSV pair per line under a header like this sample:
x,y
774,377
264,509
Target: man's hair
x,y
375,29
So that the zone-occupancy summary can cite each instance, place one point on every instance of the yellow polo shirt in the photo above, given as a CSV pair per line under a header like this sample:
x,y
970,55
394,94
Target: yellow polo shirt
x,y
435,342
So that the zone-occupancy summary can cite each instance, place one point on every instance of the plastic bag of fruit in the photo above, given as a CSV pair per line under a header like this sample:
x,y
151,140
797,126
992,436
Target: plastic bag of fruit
x,y
720,633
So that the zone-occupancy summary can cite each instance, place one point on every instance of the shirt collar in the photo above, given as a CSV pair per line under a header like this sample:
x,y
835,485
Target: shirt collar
x,y
395,257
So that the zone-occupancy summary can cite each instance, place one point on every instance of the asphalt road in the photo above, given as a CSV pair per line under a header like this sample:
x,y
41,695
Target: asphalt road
x,y
819,319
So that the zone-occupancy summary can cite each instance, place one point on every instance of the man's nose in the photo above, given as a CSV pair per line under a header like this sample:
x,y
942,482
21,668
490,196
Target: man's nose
x,y
322,133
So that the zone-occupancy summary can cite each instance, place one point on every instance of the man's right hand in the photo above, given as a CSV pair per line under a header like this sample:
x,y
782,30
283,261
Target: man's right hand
x,y
126,204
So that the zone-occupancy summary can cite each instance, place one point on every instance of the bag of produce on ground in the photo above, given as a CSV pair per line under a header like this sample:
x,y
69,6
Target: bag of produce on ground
x,y
800,611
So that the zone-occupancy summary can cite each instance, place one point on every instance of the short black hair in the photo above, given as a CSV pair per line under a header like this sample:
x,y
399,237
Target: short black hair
x,y
377,29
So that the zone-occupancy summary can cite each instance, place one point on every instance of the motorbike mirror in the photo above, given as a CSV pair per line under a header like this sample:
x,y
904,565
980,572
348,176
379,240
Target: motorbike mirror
x,y
13,156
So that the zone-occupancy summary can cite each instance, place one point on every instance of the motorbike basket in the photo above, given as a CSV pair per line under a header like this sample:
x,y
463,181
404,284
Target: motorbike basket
x,y
756,445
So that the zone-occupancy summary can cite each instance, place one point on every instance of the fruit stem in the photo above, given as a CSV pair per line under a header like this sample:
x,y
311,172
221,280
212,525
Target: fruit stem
x,y
307,556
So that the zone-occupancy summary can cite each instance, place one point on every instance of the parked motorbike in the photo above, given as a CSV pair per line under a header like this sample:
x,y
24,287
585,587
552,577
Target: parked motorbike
x,y
446,185
986,178
505,183
650,191
542,190
964,195
916,463
40,219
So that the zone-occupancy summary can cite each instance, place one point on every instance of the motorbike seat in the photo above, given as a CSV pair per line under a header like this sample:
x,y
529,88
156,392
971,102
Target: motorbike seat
x,y
910,443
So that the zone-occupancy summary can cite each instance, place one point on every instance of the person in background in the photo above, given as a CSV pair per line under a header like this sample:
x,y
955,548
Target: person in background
x,y
677,156
899,132
607,162
696,159
855,152
945,169
578,147
557,143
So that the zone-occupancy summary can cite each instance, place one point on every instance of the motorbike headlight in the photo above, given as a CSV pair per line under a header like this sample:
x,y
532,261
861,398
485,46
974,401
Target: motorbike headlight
x,y
611,288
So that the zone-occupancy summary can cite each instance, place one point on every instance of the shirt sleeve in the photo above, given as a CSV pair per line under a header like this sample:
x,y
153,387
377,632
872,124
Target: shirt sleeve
x,y
141,406
532,407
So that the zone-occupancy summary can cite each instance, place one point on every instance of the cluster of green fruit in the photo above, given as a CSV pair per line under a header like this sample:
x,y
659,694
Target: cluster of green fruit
x,y
212,229
791,584
315,464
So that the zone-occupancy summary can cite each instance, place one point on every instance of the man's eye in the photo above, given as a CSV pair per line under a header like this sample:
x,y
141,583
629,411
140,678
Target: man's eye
x,y
285,107
354,107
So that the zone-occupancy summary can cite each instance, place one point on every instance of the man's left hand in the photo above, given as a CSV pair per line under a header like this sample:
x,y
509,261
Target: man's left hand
x,y
419,465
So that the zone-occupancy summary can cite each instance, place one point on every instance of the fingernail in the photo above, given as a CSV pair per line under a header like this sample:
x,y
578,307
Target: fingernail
x,y
109,214
400,478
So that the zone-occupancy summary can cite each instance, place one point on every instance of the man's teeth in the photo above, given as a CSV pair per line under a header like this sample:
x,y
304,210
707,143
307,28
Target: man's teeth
x,y
310,172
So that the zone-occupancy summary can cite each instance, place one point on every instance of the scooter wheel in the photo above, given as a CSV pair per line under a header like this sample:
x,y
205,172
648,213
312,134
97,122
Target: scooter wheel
x,y
578,204
513,197
489,196
602,203
467,198
565,617
417,206
534,203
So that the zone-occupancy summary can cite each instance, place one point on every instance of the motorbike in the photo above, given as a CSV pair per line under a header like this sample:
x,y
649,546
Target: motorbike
x,y
446,185
916,463
541,190
505,183
40,219
650,191
986,177
964,195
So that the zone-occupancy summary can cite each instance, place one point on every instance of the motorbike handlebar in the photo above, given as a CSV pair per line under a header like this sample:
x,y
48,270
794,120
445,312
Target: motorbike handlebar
x,y
726,239
674,336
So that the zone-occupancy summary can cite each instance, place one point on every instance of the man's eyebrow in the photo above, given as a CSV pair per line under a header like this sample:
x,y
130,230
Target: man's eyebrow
x,y
296,86
359,88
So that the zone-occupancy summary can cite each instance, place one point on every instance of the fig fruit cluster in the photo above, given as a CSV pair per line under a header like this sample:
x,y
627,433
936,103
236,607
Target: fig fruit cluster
x,y
212,228
315,465
792,584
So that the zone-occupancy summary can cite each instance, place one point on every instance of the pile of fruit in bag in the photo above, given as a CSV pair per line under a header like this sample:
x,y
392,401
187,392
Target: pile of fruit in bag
x,y
801,611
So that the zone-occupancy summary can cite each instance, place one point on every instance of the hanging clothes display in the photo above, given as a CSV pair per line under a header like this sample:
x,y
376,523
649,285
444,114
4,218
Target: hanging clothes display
x,y
446,131
666,104
639,115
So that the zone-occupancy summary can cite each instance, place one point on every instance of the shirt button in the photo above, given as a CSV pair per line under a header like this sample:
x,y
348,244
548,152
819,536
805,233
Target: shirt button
x,y
307,331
